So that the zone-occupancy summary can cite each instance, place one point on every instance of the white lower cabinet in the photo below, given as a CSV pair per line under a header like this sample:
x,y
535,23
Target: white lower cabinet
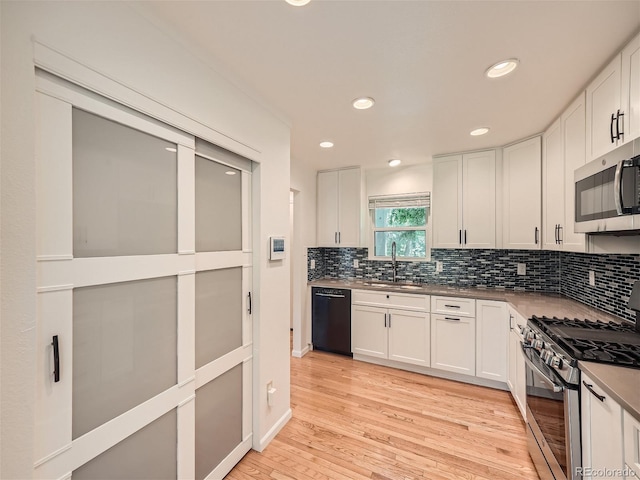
x,y
453,343
492,340
602,453
397,334
516,379
631,429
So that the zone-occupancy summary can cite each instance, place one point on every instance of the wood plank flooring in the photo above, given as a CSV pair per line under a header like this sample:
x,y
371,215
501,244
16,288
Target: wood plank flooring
x,y
353,420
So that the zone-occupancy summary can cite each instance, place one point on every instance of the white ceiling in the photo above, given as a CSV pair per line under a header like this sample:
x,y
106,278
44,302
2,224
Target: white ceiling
x,y
423,62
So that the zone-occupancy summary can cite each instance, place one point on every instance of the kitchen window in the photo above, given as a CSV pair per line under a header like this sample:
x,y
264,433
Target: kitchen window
x,y
401,219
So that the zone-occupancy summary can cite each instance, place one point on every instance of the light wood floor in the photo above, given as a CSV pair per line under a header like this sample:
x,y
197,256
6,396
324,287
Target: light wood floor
x,y
353,420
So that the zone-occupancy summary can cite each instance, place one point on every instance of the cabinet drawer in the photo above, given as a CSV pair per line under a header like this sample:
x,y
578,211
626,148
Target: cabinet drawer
x,y
406,301
465,307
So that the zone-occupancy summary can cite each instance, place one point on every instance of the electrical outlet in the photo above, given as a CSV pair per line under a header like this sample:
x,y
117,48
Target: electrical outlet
x,y
592,278
270,393
438,266
355,263
313,264
522,269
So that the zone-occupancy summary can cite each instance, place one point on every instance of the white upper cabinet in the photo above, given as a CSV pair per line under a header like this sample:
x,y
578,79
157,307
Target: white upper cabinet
x,y
464,196
339,202
613,103
522,195
563,146
631,89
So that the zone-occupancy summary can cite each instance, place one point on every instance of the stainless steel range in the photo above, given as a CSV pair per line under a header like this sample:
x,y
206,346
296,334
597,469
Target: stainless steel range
x,y
552,348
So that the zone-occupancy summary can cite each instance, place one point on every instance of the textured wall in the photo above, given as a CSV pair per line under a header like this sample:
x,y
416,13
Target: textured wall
x,y
615,275
567,273
466,268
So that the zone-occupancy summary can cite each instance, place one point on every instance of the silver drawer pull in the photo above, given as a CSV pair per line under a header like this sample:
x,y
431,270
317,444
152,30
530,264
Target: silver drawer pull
x,y
452,306
451,318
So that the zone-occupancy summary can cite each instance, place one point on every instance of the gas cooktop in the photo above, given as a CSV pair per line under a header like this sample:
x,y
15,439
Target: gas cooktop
x,y
594,341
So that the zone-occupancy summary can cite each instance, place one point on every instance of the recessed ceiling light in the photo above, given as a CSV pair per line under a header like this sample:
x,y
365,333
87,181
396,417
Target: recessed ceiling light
x,y
479,131
394,162
363,103
326,144
171,149
297,3
502,68
230,172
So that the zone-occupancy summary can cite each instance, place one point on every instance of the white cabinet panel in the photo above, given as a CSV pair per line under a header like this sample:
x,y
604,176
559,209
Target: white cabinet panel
x,y
453,346
409,337
339,208
492,340
369,331
631,89
601,420
522,195
464,201
603,102
517,370
631,441
453,306
447,202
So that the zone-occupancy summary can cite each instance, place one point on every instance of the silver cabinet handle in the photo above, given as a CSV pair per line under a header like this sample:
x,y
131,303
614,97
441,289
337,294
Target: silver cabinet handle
x,y
332,295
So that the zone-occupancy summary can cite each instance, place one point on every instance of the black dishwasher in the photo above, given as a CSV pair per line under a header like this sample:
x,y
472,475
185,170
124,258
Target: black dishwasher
x,y
331,320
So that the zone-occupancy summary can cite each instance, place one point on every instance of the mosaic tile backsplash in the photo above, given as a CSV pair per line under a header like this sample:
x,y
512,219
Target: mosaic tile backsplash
x,y
546,271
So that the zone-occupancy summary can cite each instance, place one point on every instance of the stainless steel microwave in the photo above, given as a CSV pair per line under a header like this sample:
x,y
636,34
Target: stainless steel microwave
x,y
607,193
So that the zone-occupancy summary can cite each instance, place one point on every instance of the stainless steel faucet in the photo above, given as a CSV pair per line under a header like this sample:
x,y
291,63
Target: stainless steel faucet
x,y
394,263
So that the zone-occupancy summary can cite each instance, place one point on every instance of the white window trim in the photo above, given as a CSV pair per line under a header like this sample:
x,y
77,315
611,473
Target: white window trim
x,y
372,229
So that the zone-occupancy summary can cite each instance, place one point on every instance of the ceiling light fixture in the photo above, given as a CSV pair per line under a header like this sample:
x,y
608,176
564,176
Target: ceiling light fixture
x,y
326,144
394,162
297,3
171,149
502,68
479,131
363,103
230,172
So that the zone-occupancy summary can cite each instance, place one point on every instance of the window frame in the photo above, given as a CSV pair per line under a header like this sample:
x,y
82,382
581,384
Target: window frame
x,y
400,201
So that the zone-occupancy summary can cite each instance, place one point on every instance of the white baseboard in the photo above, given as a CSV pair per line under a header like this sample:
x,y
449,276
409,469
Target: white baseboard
x,y
273,431
300,353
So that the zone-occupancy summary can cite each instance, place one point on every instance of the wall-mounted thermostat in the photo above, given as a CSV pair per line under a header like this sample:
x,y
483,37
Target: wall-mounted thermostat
x,y
276,248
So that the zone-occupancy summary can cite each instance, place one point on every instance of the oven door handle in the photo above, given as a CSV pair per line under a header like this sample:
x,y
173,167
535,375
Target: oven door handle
x,y
556,388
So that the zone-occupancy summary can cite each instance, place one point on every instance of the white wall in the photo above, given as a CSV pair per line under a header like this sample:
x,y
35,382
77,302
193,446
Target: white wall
x,y
396,180
303,181
112,38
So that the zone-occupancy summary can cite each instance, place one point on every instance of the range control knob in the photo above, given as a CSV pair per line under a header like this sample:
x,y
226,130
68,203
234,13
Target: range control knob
x,y
538,344
556,362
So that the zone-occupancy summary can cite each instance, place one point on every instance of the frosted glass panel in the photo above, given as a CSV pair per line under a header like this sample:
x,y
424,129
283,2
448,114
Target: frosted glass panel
x,y
218,420
150,453
218,207
124,348
124,190
218,313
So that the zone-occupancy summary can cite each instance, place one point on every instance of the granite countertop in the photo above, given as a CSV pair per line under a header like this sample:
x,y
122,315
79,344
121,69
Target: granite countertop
x,y
621,383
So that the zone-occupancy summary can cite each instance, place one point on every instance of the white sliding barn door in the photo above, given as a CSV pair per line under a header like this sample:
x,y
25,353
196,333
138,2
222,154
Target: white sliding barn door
x,y
144,276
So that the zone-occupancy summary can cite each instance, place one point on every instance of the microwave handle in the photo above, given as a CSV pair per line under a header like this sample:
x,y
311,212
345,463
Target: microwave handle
x,y
617,187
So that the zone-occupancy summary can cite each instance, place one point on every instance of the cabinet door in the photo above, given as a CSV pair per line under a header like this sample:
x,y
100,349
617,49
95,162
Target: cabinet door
x,y
603,100
453,346
479,200
447,202
409,337
327,198
521,379
631,89
369,331
349,207
601,420
574,131
492,340
522,195
631,441
554,184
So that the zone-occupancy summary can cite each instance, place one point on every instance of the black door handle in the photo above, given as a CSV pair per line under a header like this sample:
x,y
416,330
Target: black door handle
x,y
460,237
618,132
250,306
560,235
590,388
465,237
56,359
536,236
